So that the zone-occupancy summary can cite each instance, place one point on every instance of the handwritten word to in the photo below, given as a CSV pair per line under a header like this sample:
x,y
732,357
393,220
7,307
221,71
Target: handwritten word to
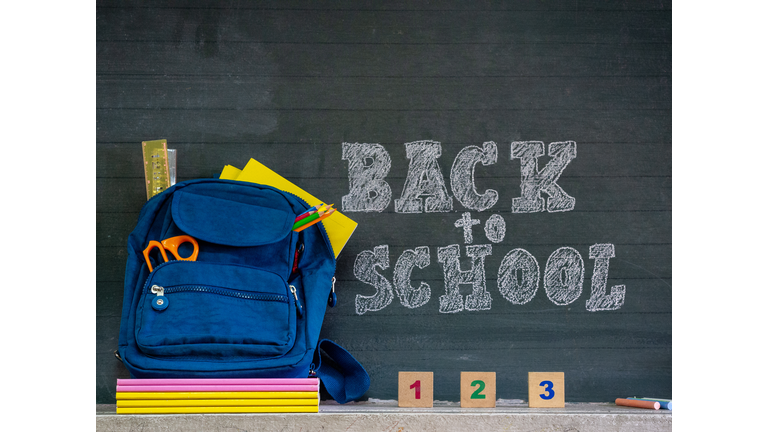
x,y
425,190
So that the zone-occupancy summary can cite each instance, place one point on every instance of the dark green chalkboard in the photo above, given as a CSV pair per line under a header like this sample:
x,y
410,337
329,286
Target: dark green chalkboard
x,y
289,83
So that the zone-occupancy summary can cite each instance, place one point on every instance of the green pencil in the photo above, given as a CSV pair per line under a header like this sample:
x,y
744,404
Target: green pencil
x,y
311,217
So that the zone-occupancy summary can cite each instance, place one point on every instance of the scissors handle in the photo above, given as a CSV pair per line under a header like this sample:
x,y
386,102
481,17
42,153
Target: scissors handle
x,y
154,244
173,243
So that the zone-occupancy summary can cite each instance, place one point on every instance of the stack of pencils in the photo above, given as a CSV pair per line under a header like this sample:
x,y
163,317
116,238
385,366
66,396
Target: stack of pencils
x,y
312,216
226,395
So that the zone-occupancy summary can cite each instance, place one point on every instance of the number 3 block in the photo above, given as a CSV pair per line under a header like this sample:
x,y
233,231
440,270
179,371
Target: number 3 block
x,y
478,389
414,389
546,389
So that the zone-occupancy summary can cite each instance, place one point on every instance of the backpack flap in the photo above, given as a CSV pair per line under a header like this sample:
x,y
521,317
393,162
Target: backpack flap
x,y
229,222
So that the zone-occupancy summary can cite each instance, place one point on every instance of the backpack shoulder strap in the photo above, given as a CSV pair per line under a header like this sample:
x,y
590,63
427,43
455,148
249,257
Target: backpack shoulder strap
x,y
344,378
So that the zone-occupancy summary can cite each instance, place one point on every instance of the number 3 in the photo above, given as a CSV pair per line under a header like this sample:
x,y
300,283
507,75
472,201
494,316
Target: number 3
x,y
547,388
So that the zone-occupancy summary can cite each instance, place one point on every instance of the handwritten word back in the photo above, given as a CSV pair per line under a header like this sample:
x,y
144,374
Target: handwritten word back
x,y
425,191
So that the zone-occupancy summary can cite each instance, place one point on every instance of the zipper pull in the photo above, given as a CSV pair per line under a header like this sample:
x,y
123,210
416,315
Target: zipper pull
x,y
299,308
332,297
160,302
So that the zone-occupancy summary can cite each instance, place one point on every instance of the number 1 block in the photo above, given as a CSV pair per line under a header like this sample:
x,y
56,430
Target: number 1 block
x,y
546,389
414,389
478,389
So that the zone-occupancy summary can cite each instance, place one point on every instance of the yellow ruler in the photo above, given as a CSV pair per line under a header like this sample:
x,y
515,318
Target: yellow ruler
x,y
156,174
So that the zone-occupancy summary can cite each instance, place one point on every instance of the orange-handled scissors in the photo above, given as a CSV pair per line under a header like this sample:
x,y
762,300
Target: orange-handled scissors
x,y
172,244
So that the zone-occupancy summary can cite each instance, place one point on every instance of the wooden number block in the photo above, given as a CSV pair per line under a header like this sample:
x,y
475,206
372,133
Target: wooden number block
x,y
414,389
478,389
546,389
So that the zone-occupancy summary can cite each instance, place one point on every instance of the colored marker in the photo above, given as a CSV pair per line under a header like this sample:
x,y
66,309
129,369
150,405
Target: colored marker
x,y
638,403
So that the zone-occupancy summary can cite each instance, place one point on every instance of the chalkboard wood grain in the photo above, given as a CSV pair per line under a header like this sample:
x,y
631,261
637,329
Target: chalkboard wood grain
x,y
398,126
290,83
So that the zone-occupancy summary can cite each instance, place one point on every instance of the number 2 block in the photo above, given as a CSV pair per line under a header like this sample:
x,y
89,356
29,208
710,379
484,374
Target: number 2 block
x,y
478,389
414,389
546,389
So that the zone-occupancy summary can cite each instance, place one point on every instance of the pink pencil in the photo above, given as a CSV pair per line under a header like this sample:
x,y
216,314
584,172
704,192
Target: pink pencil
x,y
217,381
215,388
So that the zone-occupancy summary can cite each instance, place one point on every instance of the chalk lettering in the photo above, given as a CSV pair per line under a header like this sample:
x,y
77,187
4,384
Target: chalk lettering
x,y
495,228
564,276
411,297
452,301
535,181
522,289
463,176
466,222
598,301
369,164
424,179
365,270
425,191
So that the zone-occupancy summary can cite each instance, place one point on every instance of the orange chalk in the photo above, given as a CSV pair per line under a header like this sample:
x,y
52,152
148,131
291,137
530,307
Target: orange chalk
x,y
638,403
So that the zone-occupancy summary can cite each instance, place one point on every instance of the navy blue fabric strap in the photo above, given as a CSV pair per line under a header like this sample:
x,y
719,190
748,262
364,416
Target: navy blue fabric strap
x,y
343,377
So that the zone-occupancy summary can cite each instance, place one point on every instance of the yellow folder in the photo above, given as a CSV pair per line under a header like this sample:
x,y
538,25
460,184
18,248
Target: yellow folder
x,y
338,226
230,173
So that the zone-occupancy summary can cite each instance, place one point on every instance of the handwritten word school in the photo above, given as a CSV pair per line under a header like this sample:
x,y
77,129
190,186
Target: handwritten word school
x,y
425,191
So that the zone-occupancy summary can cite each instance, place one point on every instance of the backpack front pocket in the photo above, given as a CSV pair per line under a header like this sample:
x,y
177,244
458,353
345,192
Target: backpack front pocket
x,y
215,310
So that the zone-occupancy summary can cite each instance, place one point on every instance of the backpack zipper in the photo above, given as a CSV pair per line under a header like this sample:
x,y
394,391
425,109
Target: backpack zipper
x,y
160,291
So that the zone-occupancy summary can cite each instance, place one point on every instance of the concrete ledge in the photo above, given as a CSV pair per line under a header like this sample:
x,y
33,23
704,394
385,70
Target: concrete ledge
x,y
385,416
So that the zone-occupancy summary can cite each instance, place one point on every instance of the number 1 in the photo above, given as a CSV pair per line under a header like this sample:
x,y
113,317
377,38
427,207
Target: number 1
x,y
417,386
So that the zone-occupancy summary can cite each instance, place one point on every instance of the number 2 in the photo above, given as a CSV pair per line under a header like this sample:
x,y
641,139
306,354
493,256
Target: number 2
x,y
417,386
480,387
547,388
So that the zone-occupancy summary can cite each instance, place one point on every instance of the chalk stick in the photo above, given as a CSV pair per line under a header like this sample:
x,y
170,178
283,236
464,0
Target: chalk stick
x,y
638,403
665,403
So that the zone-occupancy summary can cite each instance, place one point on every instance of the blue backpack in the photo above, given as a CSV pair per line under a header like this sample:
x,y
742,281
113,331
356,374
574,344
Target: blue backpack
x,y
250,304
